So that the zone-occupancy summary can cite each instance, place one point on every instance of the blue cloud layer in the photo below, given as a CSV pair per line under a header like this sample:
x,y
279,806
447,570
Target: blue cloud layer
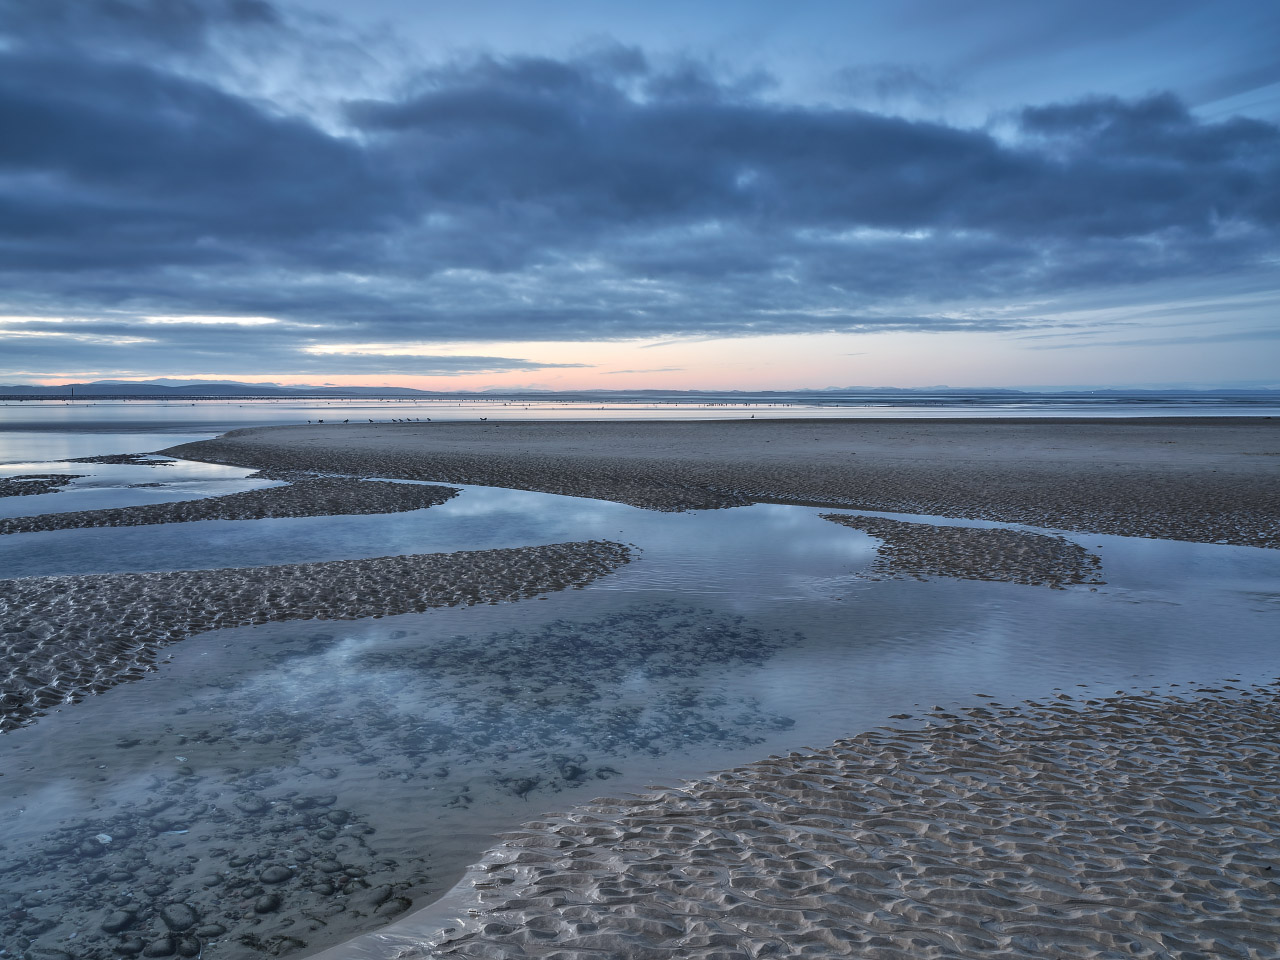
x,y
533,198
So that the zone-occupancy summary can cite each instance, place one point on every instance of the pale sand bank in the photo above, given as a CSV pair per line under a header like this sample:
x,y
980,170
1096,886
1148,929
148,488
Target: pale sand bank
x,y
1186,479
923,550
1134,826
64,638
305,496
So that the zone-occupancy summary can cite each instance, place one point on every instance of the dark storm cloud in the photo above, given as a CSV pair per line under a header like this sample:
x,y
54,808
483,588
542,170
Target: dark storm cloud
x,y
598,197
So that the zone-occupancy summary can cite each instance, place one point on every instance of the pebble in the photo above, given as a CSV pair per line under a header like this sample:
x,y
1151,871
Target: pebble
x,y
251,805
47,953
178,917
117,921
275,874
130,947
188,947
210,930
161,947
267,903
394,907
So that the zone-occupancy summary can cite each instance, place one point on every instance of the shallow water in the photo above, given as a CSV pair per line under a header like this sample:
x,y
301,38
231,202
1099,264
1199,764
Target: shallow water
x,y
396,748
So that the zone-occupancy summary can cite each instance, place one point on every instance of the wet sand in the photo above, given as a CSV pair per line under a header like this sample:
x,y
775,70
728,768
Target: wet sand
x,y
65,638
1141,826
304,496
1208,479
31,484
1133,826
923,550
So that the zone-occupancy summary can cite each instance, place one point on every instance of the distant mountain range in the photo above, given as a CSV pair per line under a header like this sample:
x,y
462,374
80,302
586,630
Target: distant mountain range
x,y
171,389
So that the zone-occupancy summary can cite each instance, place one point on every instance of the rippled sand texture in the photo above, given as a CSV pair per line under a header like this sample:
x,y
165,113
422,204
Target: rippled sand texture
x,y
441,730
63,638
304,497
1206,479
924,550
34,483
1138,826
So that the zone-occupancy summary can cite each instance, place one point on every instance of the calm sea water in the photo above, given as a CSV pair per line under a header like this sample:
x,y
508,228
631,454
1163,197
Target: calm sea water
x,y
398,747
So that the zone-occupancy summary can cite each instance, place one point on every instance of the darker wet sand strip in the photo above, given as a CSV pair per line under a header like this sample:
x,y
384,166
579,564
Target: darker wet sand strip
x,y
1136,826
305,496
923,550
1208,479
31,484
66,637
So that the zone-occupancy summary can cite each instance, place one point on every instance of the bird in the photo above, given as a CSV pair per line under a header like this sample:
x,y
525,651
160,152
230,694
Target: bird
x,y
484,418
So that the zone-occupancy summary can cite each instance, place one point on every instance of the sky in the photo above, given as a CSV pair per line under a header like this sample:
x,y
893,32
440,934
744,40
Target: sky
x,y
596,194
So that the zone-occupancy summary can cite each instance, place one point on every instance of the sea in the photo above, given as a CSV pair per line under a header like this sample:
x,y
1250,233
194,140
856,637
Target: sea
x,y
391,752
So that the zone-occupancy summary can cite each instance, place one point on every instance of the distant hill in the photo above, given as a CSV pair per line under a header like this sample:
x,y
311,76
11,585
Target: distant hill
x,y
197,389
170,389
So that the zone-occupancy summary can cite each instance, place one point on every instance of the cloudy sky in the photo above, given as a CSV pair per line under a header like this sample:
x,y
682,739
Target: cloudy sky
x,y
589,193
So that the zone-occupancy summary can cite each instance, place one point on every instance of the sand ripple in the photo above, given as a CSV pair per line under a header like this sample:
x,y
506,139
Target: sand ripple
x,y
63,638
1138,826
924,550
306,496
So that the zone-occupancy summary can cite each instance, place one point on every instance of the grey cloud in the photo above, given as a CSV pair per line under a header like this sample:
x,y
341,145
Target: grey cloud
x,y
605,196
1222,336
890,83
121,25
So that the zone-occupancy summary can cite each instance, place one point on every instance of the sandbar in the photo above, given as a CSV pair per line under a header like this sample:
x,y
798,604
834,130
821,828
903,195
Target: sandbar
x,y
304,496
63,638
923,550
33,484
1205,479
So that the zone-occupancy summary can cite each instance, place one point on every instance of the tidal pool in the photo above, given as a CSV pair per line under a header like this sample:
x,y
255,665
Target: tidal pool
x,y
284,787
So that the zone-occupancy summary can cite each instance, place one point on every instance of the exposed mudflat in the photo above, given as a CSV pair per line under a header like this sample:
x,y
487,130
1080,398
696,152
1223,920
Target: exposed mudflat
x,y
923,550
1134,826
304,496
64,638
1210,480
29,484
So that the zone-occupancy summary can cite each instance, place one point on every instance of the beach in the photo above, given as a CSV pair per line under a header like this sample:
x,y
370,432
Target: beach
x,y
1186,479
1127,822
1126,826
